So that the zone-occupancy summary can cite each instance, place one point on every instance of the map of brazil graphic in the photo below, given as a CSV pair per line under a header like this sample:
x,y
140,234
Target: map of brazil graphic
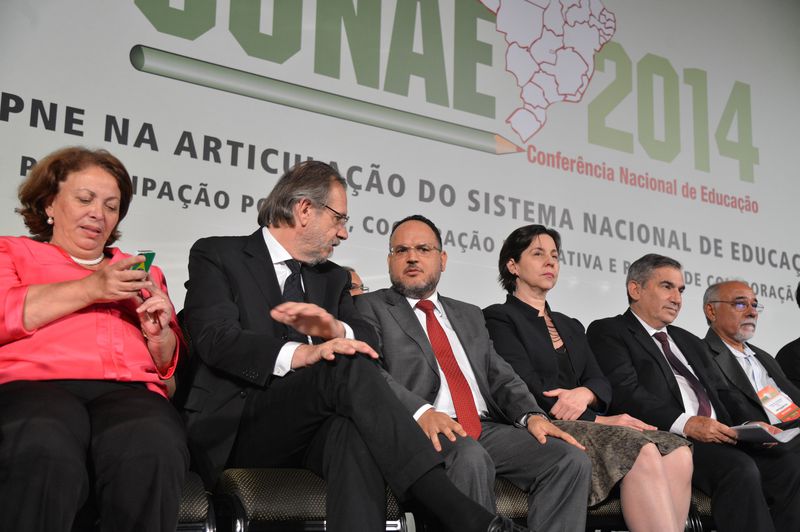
x,y
551,48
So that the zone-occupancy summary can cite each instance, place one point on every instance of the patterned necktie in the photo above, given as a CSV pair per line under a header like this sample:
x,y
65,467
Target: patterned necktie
x,y
704,406
293,291
463,401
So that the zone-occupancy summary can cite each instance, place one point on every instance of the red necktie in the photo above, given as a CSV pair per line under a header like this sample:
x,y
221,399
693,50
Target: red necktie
x,y
463,401
704,404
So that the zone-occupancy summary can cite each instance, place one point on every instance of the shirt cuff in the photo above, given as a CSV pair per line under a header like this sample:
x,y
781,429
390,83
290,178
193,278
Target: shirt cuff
x,y
173,365
421,410
283,364
348,331
13,327
679,424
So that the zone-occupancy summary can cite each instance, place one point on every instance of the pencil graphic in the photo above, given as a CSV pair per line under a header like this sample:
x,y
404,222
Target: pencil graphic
x,y
214,76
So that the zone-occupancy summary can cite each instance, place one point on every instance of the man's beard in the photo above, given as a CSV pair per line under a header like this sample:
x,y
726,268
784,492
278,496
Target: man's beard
x,y
316,250
315,259
743,335
415,292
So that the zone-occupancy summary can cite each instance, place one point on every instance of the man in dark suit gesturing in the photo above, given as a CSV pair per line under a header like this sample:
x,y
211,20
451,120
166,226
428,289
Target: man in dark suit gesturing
x,y
441,364
662,375
283,378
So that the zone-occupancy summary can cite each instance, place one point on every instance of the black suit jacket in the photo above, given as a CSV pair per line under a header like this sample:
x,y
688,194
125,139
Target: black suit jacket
x,y
738,395
232,287
642,382
521,337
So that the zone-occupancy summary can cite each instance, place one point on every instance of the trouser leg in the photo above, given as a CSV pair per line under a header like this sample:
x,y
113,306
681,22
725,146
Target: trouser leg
x,y
780,480
280,422
356,489
470,468
44,435
138,450
733,481
556,475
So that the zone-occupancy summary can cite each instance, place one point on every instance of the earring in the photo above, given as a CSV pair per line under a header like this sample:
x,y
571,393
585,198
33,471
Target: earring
x,y
49,220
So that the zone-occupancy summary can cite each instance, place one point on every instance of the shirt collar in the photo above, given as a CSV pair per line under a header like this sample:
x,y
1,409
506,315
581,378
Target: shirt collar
x,y
741,354
434,298
650,330
277,252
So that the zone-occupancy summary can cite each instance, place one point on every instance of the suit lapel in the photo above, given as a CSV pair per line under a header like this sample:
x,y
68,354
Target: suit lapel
x,y
404,315
259,263
726,362
477,360
648,344
464,331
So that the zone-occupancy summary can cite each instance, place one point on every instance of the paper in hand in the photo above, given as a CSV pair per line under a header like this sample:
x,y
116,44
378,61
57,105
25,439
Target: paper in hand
x,y
755,433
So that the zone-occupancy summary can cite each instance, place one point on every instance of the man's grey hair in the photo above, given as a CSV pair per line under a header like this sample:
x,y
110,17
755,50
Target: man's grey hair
x,y
310,179
642,269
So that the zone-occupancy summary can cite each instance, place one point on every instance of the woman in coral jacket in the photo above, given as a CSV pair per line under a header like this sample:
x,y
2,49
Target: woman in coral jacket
x,y
86,343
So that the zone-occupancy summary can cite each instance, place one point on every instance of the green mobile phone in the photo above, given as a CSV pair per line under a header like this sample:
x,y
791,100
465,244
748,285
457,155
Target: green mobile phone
x,y
148,260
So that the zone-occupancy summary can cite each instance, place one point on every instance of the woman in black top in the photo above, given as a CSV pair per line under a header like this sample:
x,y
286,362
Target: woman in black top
x,y
550,353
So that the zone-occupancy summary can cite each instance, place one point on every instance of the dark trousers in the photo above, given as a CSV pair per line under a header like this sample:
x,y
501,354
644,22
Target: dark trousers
x,y
341,420
750,489
61,441
780,480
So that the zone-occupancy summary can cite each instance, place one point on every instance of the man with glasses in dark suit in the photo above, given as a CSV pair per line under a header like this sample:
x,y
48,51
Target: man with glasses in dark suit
x,y
283,378
664,376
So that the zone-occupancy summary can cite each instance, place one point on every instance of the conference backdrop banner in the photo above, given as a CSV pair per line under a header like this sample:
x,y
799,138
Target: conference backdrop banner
x,y
631,127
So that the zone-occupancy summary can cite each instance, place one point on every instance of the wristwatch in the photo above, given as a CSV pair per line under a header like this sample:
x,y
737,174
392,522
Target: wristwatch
x,y
523,422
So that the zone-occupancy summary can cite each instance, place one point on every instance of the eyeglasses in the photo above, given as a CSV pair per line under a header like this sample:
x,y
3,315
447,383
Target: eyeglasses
x,y
423,250
340,218
362,287
741,306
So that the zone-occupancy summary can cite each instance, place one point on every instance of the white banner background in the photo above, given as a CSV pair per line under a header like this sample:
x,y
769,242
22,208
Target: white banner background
x,y
76,54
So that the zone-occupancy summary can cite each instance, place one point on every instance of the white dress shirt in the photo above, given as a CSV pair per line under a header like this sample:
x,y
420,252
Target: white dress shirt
x,y
690,402
279,256
756,374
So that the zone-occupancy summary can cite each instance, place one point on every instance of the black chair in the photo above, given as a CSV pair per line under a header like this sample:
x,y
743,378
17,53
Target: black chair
x,y
196,512
278,500
512,502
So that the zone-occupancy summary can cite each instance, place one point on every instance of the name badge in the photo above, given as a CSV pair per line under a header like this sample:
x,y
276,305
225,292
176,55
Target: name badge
x,y
778,403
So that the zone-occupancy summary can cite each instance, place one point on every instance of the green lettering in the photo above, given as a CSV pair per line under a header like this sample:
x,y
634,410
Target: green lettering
x,y
284,41
609,98
404,62
741,149
648,68
698,80
363,28
196,17
469,51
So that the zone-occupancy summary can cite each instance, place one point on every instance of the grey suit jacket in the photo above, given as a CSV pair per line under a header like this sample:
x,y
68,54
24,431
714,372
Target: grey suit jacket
x,y
740,398
410,366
